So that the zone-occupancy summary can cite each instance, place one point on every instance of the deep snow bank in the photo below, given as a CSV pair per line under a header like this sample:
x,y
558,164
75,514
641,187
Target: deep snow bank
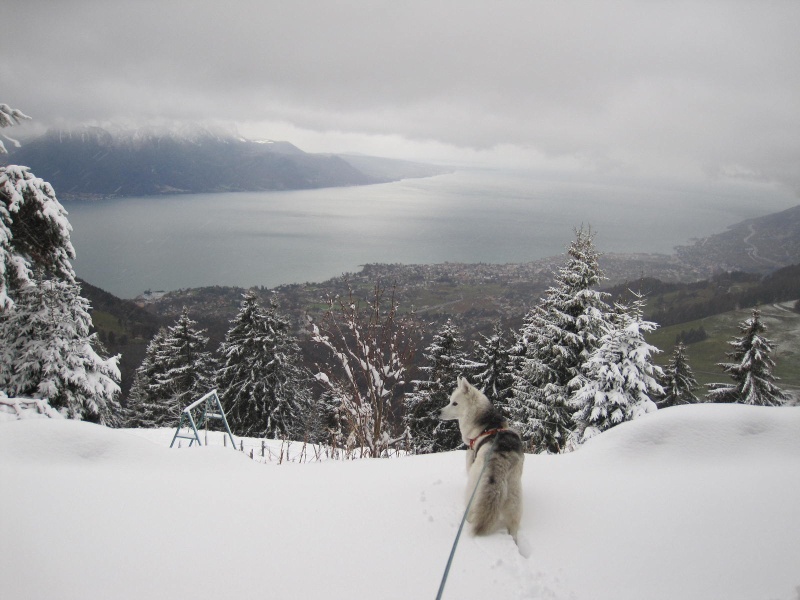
x,y
695,502
690,502
704,432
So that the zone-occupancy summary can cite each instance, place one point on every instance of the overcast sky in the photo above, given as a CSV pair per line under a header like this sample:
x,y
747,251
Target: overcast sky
x,y
685,90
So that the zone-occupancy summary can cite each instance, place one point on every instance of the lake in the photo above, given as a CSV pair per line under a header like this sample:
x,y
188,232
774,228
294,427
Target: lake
x,y
129,245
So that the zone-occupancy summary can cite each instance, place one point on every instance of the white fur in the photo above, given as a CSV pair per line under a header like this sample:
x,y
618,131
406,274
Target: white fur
x,y
498,500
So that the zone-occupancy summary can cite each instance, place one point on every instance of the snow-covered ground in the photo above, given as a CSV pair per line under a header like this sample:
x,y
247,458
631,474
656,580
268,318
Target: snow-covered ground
x,y
697,502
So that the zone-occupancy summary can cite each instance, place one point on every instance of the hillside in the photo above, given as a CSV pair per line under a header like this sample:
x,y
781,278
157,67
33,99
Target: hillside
x,y
690,503
676,302
92,162
783,328
475,296
757,245
123,327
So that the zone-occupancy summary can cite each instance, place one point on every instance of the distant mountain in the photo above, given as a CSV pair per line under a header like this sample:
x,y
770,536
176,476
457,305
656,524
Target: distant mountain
x,y
92,162
391,170
758,245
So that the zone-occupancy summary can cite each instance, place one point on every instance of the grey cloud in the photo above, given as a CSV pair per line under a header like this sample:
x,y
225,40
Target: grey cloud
x,y
652,85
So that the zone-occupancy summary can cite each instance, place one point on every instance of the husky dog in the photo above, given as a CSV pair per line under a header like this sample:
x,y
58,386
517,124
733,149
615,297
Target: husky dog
x,y
498,499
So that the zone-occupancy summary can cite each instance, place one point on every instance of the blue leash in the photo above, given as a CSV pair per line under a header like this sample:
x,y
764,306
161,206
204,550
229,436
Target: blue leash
x,y
463,520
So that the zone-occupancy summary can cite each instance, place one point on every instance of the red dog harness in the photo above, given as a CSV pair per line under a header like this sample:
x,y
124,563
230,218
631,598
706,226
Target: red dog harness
x,y
486,434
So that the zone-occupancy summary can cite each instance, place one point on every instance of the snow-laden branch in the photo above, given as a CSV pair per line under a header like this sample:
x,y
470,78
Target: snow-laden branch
x,y
23,408
369,348
8,118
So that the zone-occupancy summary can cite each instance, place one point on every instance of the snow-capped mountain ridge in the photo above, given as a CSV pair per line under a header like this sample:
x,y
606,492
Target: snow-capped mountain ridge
x,y
98,162
119,135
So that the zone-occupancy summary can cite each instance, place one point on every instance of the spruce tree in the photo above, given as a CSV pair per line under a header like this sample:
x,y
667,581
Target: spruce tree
x,y
445,361
751,371
177,370
262,387
34,233
557,338
494,373
144,408
323,421
49,353
46,345
619,380
679,382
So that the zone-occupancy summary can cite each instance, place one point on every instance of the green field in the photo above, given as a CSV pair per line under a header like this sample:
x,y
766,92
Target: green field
x,y
783,328
104,321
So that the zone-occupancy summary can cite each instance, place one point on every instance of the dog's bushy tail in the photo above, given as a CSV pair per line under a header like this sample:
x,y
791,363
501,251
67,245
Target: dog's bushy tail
x,y
490,497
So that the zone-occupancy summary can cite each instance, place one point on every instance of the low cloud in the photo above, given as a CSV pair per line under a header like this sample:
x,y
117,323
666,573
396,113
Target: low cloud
x,y
683,88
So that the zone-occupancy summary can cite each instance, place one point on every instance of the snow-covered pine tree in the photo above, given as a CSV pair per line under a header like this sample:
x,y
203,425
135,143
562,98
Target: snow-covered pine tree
x,y
48,353
324,421
262,386
494,375
144,409
619,380
34,233
39,295
556,339
679,382
34,230
183,371
445,362
754,382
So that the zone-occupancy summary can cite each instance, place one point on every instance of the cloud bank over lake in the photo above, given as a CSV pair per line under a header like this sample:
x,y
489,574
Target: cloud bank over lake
x,y
683,90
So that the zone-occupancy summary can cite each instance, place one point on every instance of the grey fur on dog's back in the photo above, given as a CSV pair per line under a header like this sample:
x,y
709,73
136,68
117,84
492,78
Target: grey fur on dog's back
x,y
498,495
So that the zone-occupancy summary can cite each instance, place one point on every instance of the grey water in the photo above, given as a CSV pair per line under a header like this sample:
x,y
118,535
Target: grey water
x,y
130,245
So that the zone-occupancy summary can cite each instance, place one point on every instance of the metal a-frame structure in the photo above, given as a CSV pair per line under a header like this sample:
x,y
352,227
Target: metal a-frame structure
x,y
208,407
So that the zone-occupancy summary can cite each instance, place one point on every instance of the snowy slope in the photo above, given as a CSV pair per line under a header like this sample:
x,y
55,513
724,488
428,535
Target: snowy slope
x,y
695,502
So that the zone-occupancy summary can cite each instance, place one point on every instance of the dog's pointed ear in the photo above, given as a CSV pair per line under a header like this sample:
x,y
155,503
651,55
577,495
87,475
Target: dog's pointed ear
x,y
463,385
